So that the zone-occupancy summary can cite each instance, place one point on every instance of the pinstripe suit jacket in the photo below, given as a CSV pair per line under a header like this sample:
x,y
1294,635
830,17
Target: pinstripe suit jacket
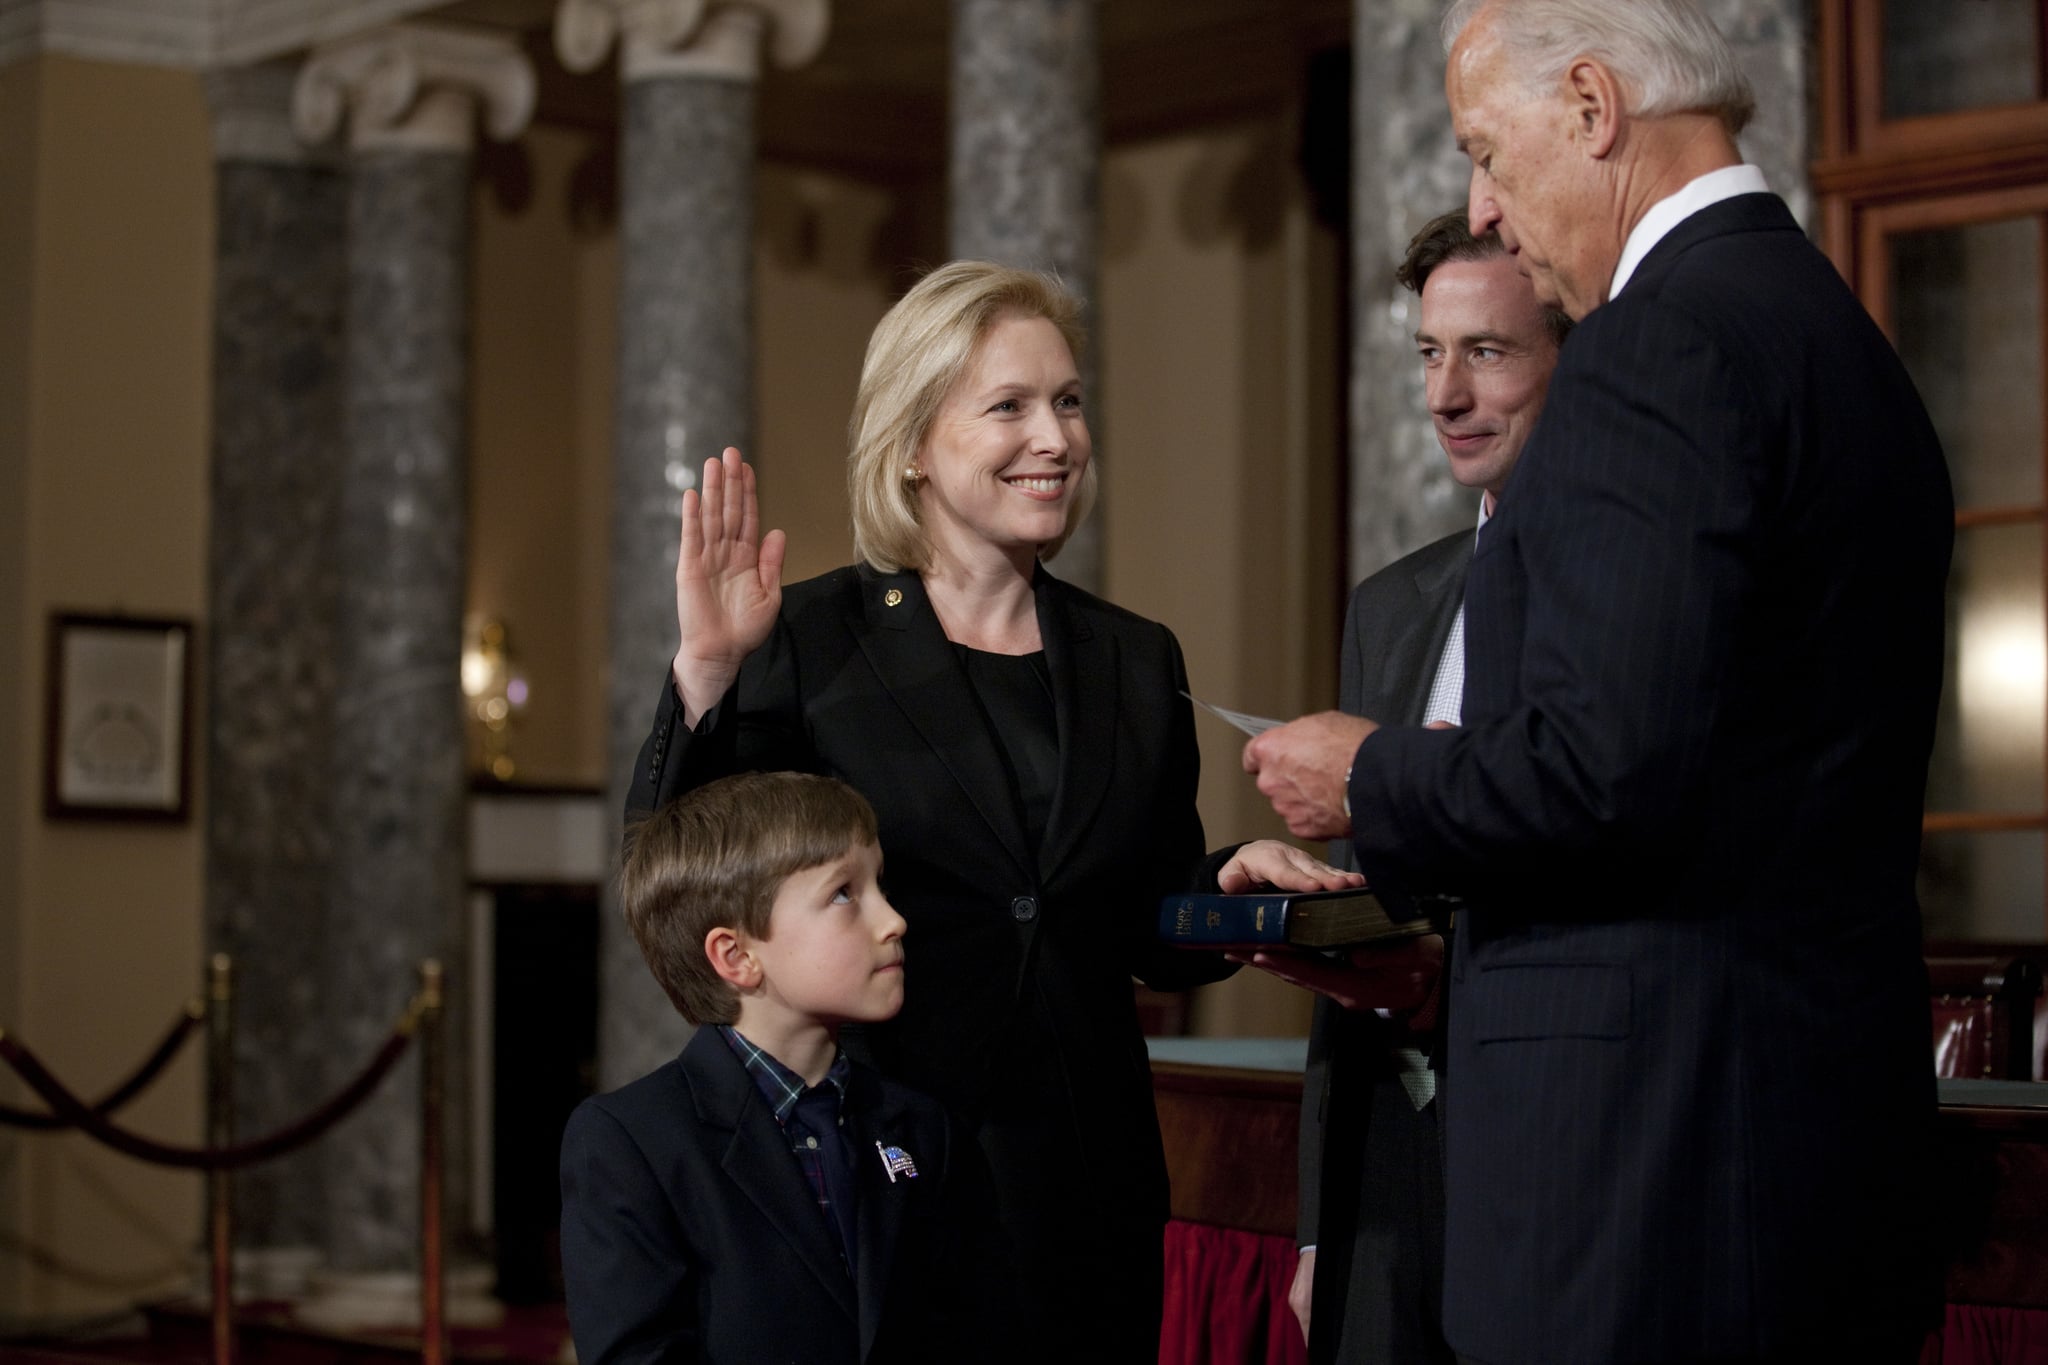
x,y
1703,651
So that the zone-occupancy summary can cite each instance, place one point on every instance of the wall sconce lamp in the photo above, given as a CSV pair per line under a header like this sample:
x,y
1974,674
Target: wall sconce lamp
x,y
494,691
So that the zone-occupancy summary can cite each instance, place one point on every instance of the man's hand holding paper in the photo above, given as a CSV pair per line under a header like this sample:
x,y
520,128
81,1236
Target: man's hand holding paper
x,y
1301,768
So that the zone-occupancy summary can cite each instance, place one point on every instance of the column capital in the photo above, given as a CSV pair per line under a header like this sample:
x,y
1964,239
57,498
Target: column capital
x,y
414,86
720,39
251,107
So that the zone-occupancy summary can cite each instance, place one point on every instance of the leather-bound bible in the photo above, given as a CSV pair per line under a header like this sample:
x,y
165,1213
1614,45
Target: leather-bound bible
x,y
1261,919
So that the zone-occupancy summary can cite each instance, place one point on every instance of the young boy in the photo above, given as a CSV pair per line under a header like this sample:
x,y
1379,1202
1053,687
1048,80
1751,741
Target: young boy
x,y
761,1198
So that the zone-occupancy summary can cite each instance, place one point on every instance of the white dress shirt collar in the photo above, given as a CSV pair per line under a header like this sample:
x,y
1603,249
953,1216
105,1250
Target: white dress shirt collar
x,y
1669,212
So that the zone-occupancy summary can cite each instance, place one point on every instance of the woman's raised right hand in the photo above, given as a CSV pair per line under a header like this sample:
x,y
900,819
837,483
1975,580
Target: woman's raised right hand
x,y
728,583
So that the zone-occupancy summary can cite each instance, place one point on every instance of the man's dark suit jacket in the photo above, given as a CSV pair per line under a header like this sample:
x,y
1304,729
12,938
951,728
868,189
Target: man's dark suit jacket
x,y
1691,1090
691,1234
1370,1291
1018,1010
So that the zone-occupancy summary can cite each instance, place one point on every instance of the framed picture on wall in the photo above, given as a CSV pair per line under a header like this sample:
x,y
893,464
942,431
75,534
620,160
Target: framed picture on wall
x,y
117,736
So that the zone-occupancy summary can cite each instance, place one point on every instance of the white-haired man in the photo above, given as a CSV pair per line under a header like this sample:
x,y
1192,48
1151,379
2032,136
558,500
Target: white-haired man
x,y
1690,1092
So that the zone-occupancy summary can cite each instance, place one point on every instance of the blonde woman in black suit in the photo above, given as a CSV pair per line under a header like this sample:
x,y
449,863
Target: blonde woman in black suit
x,y
1026,747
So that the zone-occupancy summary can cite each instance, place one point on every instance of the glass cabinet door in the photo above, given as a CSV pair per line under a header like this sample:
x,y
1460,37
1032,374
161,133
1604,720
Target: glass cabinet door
x,y
1942,58
1965,309
1932,179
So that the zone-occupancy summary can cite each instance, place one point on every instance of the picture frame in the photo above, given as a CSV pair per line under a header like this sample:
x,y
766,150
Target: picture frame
x,y
118,730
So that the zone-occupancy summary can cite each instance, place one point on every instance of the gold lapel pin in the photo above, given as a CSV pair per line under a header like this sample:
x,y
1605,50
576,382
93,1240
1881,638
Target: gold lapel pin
x,y
893,598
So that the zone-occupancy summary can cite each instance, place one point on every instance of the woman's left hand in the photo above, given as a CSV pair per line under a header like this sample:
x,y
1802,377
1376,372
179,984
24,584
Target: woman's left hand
x,y
1268,862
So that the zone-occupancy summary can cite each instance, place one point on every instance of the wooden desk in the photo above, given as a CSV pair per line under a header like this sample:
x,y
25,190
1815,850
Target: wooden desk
x,y
1993,1192
1230,1136
1230,1113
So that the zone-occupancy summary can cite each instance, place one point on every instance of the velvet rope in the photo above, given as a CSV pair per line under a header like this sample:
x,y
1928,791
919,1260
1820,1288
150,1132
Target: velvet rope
x,y
74,1112
117,1098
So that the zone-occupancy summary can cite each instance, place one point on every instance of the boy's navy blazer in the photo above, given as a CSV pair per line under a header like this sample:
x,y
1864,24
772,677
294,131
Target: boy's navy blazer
x,y
690,1232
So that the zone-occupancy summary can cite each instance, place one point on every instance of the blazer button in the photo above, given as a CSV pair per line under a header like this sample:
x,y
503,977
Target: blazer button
x,y
1024,909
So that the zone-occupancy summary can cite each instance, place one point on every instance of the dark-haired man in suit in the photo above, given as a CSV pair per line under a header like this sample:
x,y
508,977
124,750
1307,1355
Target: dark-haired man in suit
x,y
1690,1093
1371,1211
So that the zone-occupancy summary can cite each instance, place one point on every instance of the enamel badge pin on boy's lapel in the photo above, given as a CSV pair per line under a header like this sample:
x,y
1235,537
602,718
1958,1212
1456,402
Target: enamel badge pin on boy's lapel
x,y
896,1162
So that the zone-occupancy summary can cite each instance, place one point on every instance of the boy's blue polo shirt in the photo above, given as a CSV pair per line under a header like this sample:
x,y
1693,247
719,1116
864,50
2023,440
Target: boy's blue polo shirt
x,y
811,1119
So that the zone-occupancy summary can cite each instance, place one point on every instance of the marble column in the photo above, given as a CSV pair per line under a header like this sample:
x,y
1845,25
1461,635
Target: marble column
x,y
1773,43
1025,169
410,97
279,278
1406,169
685,364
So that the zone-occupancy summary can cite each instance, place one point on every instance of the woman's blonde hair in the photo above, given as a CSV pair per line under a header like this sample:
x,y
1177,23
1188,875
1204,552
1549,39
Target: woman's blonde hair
x,y
919,350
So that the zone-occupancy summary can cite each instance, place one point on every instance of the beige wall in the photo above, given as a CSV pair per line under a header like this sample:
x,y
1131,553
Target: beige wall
x,y
540,432
1211,327
820,286
20,86
107,287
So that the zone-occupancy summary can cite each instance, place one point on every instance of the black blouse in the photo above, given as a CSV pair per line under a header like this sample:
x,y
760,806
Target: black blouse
x,y
1015,691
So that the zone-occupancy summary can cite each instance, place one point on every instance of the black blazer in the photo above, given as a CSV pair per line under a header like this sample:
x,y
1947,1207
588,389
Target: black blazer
x,y
1688,1036
690,1233
1018,1011
1394,636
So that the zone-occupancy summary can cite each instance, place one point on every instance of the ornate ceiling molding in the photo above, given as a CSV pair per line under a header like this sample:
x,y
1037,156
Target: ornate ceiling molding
x,y
414,86
192,35
252,116
717,38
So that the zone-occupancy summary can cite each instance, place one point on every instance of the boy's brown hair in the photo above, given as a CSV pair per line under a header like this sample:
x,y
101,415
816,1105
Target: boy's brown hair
x,y
714,858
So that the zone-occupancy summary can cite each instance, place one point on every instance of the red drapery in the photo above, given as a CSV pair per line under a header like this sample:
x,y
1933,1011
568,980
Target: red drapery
x,y
1226,1298
1985,1334
1226,1304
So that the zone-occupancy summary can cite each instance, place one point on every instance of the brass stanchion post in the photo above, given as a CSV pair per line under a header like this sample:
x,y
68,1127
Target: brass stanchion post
x,y
220,1133
433,1271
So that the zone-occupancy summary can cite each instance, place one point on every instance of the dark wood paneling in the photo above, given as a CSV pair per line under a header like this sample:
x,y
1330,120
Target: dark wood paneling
x,y
1230,1144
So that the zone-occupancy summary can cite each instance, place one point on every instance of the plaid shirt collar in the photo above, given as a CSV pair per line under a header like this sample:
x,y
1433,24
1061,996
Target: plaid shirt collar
x,y
780,1086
